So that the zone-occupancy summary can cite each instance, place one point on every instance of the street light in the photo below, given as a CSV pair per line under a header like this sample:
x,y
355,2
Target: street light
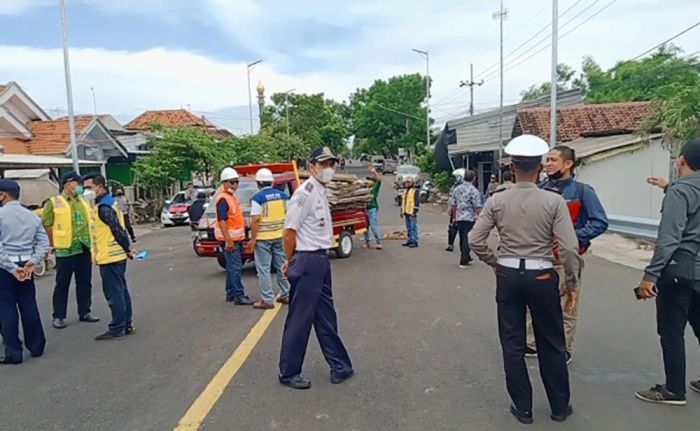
x,y
250,67
286,107
426,55
69,90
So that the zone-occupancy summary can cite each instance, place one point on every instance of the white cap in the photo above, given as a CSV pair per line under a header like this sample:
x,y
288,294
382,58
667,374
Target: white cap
x,y
229,174
527,146
264,175
459,173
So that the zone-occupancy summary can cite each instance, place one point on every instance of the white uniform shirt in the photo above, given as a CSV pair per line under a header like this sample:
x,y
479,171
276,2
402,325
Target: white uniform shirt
x,y
309,214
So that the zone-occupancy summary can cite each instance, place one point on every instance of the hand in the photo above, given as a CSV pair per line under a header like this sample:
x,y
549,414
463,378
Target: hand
x,y
571,305
230,245
647,289
660,182
20,274
132,253
495,270
285,268
250,247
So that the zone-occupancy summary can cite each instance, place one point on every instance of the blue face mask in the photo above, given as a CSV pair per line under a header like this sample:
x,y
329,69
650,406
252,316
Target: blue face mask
x,y
79,191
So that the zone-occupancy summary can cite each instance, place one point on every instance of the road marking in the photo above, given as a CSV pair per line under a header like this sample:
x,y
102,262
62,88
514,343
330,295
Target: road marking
x,y
206,401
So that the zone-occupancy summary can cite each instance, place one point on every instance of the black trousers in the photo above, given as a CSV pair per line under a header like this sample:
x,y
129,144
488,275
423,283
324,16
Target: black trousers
x,y
81,266
463,228
676,306
539,291
451,234
129,227
18,301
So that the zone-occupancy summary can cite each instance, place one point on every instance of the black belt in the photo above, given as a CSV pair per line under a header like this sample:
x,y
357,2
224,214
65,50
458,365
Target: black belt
x,y
322,251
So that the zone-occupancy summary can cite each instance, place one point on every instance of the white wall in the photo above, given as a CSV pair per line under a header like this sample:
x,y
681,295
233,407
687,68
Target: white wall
x,y
620,181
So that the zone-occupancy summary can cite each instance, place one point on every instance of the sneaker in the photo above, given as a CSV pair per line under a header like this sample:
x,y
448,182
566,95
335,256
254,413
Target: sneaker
x,y
406,244
283,300
530,353
366,247
695,386
262,305
380,247
569,358
660,395
413,245
109,335
524,417
561,417
130,329
450,248
242,300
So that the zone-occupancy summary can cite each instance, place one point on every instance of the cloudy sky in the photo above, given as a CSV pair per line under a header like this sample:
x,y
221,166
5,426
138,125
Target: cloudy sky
x,y
155,54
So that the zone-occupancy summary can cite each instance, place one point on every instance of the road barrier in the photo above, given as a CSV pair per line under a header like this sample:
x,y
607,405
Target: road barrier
x,y
635,226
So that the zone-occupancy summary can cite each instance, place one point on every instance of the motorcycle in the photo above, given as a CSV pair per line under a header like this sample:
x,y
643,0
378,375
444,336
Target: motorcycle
x,y
426,191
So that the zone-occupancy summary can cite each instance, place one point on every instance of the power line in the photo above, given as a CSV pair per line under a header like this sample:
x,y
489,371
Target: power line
x,y
666,41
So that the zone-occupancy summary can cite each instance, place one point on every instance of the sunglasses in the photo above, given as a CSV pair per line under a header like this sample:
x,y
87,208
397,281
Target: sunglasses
x,y
233,181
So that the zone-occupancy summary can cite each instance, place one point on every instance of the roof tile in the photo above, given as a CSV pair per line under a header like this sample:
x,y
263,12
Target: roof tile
x,y
14,145
167,118
53,137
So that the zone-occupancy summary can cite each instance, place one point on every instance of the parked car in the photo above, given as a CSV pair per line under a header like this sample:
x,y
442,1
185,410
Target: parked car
x,y
378,163
174,212
389,166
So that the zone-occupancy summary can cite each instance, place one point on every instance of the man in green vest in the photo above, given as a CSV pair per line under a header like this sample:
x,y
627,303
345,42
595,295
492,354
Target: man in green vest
x,y
66,218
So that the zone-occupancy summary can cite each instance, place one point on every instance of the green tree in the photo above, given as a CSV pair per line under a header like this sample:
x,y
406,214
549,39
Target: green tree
x,y
564,76
678,116
387,115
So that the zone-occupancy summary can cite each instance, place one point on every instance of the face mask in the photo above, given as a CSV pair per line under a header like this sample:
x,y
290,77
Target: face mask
x,y
326,175
79,191
89,195
555,176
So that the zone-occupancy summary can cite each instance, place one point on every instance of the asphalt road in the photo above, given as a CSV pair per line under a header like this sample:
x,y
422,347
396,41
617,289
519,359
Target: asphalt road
x,y
421,332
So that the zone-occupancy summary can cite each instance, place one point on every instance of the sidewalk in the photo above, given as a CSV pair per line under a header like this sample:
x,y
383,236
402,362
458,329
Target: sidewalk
x,y
634,253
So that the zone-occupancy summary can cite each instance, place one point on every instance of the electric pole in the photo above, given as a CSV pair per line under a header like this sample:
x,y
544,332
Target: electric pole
x,y
553,94
471,85
500,15
69,90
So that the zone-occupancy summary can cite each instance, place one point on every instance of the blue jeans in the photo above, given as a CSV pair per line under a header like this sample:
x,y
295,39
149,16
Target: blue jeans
x,y
18,301
372,215
412,228
234,268
117,295
269,254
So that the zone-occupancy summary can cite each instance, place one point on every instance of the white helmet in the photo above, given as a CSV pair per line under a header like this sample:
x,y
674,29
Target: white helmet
x,y
459,173
527,146
229,174
264,175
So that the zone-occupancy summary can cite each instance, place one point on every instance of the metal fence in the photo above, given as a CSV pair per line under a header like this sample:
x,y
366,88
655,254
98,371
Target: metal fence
x,y
634,226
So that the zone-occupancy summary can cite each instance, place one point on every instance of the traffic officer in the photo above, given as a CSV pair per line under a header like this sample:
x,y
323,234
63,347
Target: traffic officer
x,y
230,231
528,220
308,235
23,244
66,218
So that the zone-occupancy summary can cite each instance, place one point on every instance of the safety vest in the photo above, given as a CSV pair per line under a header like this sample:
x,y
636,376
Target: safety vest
x,y
62,229
408,205
235,223
274,212
105,248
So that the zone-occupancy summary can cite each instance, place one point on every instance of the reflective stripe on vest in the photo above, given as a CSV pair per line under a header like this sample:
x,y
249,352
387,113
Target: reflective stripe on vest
x,y
62,229
235,223
105,248
408,205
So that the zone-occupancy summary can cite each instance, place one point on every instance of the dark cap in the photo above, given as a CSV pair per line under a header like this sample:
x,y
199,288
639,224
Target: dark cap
x,y
321,154
71,176
9,186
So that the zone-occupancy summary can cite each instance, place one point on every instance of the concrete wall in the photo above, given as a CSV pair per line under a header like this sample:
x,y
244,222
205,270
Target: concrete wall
x,y
620,181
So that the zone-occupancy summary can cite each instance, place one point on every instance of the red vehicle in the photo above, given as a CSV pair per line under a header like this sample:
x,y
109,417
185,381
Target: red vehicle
x,y
346,223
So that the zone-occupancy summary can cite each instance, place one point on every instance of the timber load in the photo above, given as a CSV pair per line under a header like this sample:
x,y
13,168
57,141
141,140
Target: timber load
x,y
346,191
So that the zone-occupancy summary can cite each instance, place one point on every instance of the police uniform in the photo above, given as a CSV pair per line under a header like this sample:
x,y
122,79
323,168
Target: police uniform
x,y
22,239
309,273
527,218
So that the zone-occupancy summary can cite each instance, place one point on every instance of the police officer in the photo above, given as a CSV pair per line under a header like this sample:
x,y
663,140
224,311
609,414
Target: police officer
x,y
23,244
308,235
528,220
66,218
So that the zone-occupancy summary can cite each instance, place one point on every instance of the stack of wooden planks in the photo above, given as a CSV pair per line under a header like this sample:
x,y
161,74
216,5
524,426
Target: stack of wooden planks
x,y
347,192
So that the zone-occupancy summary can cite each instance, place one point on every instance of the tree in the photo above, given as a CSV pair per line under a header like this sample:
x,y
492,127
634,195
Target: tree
x,y
313,119
564,75
388,115
678,116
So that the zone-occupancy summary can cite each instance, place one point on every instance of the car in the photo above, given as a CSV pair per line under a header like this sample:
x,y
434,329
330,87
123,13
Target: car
x,y
403,173
174,211
389,166
378,163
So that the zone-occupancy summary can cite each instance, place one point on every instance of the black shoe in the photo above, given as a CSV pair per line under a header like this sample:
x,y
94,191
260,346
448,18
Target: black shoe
x,y
413,245
569,358
129,329
10,361
450,248
563,416
530,353
297,382
109,335
89,318
243,300
660,395
695,386
522,417
406,244
59,323
340,378
230,299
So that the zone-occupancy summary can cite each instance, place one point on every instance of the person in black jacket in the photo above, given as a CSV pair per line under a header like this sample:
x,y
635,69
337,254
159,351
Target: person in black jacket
x,y
673,275
196,209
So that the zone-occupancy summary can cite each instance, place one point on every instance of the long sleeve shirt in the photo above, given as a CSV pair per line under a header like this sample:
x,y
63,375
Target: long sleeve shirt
x,y
528,220
109,217
21,234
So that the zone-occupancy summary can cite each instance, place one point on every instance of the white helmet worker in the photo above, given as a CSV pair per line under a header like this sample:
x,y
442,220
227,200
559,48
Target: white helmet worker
x,y
229,174
459,173
264,175
527,146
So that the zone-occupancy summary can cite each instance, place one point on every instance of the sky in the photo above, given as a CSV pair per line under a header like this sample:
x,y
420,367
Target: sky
x,y
165,54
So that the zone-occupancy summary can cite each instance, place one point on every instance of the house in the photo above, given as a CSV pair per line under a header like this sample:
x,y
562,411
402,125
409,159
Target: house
x,y
170,118
615,159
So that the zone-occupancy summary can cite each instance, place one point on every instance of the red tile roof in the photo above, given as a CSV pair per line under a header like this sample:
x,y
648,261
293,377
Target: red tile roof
x,y
14,145
2,88
167,118
53,137
578,120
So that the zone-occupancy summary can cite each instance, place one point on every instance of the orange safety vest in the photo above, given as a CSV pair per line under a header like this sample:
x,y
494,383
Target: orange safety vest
x,y
235,223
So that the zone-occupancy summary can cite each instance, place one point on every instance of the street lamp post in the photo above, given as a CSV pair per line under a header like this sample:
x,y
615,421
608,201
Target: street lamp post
x,y
553,94
69,89
286,107
426,55
500,15
250,67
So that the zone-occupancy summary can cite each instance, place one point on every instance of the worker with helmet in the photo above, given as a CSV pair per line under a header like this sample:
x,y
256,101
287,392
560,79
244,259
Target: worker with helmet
x,y
230,231
528,220
267,214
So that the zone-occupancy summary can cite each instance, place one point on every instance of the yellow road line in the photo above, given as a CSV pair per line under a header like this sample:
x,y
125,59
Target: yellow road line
x,y
201,407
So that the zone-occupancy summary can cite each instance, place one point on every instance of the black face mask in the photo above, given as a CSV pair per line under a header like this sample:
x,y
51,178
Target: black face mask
x,y
555,176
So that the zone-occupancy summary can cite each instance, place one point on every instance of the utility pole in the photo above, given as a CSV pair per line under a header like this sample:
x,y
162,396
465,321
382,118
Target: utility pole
x,y
553,95
471,85
69,90
426,55
500,15
94,100
250,67
286,107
